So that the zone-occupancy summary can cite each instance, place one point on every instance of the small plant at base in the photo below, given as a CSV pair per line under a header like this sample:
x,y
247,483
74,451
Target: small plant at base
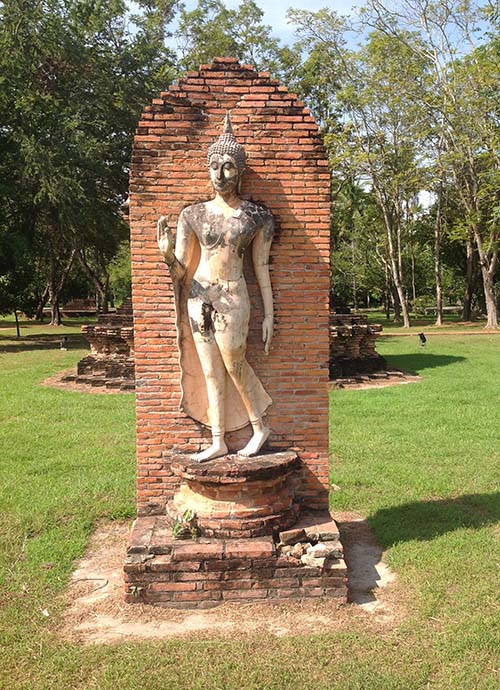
x,y
185,526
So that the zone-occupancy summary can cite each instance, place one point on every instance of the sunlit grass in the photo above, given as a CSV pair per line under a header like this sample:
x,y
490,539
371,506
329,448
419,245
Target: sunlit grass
x,y
421,461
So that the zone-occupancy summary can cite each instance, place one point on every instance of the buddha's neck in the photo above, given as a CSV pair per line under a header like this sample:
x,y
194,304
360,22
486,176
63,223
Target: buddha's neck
x,y
223,200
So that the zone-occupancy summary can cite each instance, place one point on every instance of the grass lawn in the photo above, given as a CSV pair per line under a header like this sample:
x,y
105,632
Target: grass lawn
x,y
422,461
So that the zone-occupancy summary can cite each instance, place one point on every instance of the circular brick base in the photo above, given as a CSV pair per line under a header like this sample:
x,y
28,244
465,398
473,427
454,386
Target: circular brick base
x,y
235,497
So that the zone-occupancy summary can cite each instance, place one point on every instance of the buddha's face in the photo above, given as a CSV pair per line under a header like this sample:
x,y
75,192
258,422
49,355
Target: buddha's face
x,y
224,173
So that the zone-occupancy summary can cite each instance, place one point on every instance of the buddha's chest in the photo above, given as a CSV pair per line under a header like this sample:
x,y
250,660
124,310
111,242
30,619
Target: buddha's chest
x,y
234,234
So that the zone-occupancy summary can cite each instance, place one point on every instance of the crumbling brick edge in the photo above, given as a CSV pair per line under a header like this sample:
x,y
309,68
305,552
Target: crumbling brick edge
x,y
300,563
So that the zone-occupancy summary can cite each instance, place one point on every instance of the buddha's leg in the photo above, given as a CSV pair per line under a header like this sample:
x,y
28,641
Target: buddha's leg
x,y
232,345
215,379
243,381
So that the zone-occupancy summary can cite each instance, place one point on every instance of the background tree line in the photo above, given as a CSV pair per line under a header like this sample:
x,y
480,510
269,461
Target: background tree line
x,y
406,94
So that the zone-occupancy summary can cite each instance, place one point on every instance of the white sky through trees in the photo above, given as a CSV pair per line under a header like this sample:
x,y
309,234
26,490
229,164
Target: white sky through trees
x,y
274,12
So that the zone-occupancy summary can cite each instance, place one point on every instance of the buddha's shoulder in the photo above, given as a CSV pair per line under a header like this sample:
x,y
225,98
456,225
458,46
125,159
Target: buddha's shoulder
x,y
194,212
258,212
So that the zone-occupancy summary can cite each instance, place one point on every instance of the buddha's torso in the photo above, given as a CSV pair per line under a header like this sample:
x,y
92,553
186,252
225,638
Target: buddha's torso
x,y
224,237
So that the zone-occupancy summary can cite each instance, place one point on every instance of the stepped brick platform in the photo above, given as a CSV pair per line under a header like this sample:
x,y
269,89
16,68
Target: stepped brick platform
x,y
111,359
204,572
352,346
235,496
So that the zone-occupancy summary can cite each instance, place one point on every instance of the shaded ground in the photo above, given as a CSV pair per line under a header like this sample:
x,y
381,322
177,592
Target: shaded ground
x,y
436,331
96,612
389,378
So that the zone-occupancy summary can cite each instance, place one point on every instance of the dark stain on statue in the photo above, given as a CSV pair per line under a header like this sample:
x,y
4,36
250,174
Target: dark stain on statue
x,y
206,323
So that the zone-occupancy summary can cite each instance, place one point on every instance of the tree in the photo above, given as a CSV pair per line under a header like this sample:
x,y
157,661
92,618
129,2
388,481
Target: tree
x,y
464,109
377,143
120,275
211,30
16,284
76,74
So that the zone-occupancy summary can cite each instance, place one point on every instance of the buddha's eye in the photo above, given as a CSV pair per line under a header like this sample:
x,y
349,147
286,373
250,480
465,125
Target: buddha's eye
x,y
228,166
214,165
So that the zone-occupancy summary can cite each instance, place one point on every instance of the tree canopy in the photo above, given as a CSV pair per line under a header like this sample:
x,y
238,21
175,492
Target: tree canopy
x,y
406,94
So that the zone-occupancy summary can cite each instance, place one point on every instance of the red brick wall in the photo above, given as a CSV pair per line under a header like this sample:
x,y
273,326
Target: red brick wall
x,y
287,171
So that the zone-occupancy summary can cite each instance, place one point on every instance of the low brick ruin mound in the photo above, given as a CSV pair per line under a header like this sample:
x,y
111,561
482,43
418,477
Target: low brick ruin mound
x,y
352,347
64,380
110,363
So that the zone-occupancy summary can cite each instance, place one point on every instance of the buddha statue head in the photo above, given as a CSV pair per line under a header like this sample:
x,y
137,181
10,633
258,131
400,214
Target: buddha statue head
x,y
226,161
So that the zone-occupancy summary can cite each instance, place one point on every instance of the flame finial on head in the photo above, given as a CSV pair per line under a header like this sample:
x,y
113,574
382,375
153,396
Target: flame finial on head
x,y
227,143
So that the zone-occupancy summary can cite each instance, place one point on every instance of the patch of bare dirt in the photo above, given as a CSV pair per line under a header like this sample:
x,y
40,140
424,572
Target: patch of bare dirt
x,y
96,612
57,381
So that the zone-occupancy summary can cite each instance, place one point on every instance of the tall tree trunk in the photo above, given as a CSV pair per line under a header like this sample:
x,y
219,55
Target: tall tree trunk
x,y
470,271
488,260
55,289
396,303
387,293
437,264
490,298
354,286
413,286
101,287
55,312
41,304
395,264
398,286
18,330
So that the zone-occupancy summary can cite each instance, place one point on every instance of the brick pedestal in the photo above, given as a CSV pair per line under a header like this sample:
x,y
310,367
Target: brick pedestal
x,y
203,573
238,497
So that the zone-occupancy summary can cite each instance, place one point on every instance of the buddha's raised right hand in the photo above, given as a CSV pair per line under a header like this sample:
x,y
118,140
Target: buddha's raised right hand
x,y
165,240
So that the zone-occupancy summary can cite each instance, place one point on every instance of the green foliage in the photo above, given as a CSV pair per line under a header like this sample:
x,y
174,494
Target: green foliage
x,y
16,275
185,526
120,279
75,77
212,30
413,107
357,252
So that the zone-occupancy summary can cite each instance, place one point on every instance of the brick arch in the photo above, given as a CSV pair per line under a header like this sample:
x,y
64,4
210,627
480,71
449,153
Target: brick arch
x,y
287,171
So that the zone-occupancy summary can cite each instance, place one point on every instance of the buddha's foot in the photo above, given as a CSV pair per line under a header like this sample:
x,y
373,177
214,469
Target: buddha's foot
x,y
217,449
256,442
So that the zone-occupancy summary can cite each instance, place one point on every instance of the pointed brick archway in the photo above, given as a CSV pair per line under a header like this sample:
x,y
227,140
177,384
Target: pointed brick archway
x,y
288,172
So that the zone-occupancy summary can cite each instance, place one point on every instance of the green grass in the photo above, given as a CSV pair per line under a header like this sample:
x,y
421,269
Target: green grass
x,y
422,461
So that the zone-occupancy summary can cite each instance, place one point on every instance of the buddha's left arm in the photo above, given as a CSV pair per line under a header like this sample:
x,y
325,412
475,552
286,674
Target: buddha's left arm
x,y
261,247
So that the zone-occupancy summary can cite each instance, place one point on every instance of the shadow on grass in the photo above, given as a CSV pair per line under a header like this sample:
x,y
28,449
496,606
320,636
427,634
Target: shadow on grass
x,y
9,343
426,520
418,362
